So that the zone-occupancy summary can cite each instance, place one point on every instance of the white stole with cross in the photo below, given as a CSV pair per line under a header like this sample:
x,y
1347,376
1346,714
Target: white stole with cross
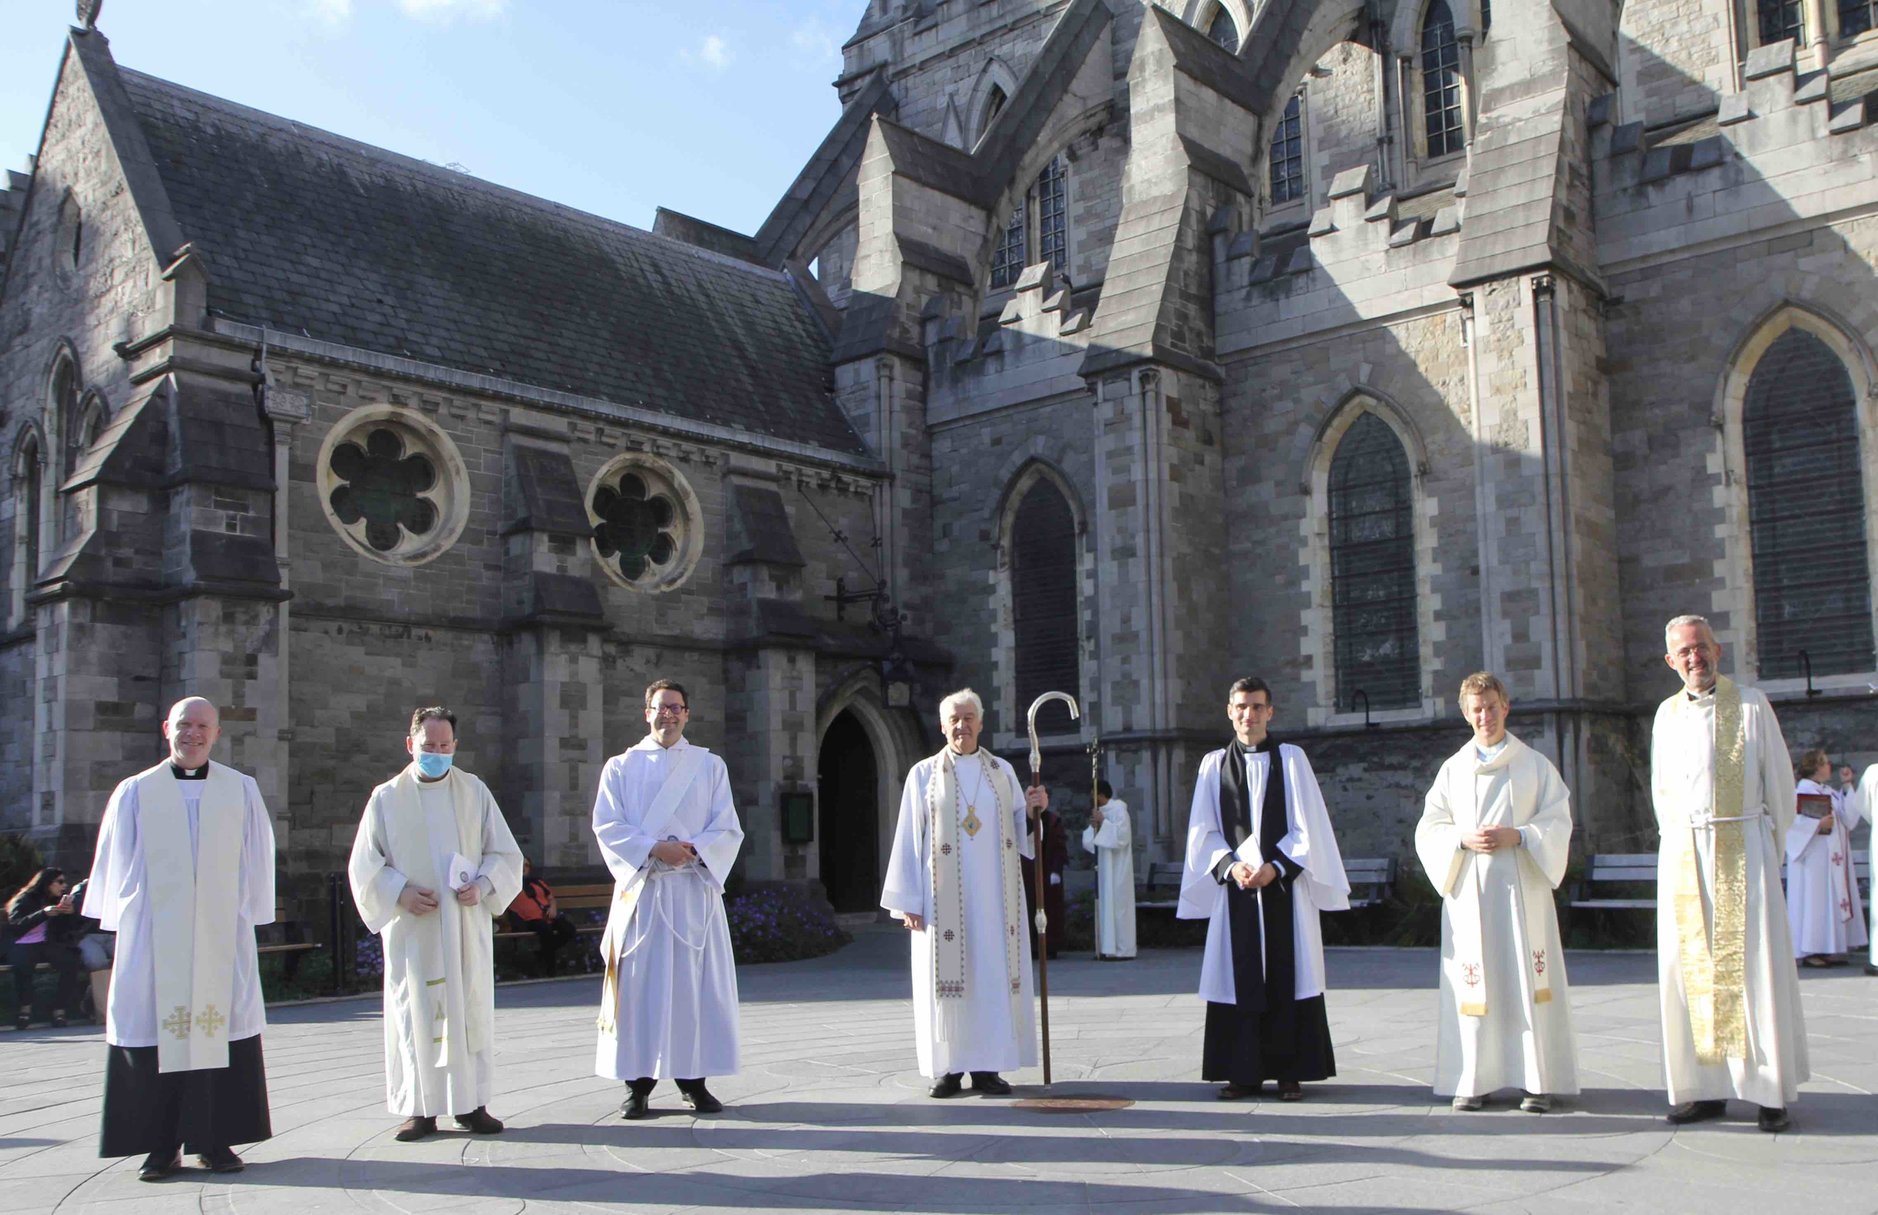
x,y
194,902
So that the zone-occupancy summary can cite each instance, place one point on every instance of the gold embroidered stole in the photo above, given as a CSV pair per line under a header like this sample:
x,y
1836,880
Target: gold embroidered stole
x,y
946,810
1713,953
195,911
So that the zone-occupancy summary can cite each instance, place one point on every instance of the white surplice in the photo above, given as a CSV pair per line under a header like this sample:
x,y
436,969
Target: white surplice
x,y
1823,906
672,980
119,898
993,1038
440,994
1682,773
1309,842
1866,799
1114,847
1505,1007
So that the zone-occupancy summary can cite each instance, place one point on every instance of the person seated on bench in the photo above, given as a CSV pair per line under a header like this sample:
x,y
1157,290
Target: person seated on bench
x,y
534,910
97,951
41,912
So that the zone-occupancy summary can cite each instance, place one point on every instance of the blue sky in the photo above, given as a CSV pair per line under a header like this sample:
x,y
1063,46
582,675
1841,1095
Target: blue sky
x,y
612,106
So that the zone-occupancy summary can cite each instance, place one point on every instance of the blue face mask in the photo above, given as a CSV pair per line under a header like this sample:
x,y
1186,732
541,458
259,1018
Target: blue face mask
x,y
432,765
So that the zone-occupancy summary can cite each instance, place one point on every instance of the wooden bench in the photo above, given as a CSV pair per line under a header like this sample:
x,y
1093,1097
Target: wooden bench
x,y
286,938
568,900
1372,881
1610,880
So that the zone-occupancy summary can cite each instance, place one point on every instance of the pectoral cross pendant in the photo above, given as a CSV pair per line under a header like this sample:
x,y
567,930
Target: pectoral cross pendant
x,y
972,822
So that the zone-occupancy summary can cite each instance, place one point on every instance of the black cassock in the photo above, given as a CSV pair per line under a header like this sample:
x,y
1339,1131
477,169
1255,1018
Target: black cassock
x,y
1268,1034
146,1110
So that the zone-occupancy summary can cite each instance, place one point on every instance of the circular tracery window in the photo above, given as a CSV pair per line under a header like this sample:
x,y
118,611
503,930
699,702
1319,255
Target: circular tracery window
x,y
393,485
645,533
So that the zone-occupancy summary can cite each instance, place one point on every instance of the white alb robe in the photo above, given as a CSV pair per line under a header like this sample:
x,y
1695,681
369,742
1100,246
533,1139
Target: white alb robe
x,y
1309,842
440,993
118,897
1823,905
1114,847
672,980
1682,763
1500,945
993,1040
1866,800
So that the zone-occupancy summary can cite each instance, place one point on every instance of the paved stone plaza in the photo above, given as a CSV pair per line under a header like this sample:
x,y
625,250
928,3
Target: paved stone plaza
x,y
829,1115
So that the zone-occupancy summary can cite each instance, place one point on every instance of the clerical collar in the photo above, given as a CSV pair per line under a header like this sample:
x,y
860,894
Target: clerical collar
x,y
182,773
1696,696
1489,753
1258,748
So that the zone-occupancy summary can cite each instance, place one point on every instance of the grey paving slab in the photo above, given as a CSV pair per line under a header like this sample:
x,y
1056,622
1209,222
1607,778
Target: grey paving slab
x,y
828,1114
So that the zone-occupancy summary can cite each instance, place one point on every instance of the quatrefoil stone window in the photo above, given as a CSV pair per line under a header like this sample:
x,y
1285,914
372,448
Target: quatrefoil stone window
x,y
643,515
392,484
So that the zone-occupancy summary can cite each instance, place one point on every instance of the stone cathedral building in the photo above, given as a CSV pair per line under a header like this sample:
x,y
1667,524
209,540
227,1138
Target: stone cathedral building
x,y
1104,347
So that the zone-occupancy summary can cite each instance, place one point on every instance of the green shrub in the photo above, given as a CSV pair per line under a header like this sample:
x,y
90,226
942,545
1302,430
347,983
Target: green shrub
x,y
19,861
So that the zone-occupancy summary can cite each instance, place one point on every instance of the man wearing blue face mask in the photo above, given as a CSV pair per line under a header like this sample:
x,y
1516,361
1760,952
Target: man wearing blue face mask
x,y
432,866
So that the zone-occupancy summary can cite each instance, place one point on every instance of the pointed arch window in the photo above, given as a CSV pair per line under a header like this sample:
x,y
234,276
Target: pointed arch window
x,y
28,480
1043,594
1441,82
1806,516
1223,30
1372,569
1778,19
1286,157
1007,260
1053,215
1857,16
64,405
994,105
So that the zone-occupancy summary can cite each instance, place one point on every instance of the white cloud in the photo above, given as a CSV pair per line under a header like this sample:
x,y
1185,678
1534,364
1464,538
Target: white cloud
x,y
445,11
330,12
713,53
816,40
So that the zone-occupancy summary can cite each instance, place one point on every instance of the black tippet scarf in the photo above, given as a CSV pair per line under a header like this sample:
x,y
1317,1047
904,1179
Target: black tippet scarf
x,y
1271,980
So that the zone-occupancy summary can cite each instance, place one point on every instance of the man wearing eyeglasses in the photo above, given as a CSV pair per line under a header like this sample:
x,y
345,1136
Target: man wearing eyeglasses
x,y
670,834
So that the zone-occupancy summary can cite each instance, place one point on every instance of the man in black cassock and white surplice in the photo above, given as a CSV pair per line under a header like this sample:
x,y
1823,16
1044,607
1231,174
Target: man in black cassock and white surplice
x,y
1262,861
184,872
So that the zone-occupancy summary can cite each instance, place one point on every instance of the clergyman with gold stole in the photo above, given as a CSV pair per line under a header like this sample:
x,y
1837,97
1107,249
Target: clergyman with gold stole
x,y
952,879
1722,784
183,874
432,867
1494,837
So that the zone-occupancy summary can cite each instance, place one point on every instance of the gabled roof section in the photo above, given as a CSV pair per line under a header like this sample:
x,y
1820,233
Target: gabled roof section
x,y
141,176
1207,62
825,176
1021,123
315,234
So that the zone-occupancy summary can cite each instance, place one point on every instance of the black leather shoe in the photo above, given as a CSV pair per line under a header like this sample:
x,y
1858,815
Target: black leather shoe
x,y
638,1105
220,1160
1290,1090
991,1084
947,1085
1773,1119
480,1122
158,1165
414,1128
1239,1092
699,1098
1695,1111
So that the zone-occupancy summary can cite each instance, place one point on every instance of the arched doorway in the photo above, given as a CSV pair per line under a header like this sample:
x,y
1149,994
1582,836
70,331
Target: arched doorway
x,y
848,794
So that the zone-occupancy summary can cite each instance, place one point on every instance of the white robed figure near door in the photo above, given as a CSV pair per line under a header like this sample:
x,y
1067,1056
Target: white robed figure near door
x,y
1823,904
1112,841
668,1009
440,993
1494,839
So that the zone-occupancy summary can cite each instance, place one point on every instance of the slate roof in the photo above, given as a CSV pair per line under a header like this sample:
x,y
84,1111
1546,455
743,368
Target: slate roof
x,y
308,232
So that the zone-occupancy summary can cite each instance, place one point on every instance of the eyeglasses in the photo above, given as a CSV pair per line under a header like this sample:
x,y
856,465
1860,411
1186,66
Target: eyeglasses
x,y
670,711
